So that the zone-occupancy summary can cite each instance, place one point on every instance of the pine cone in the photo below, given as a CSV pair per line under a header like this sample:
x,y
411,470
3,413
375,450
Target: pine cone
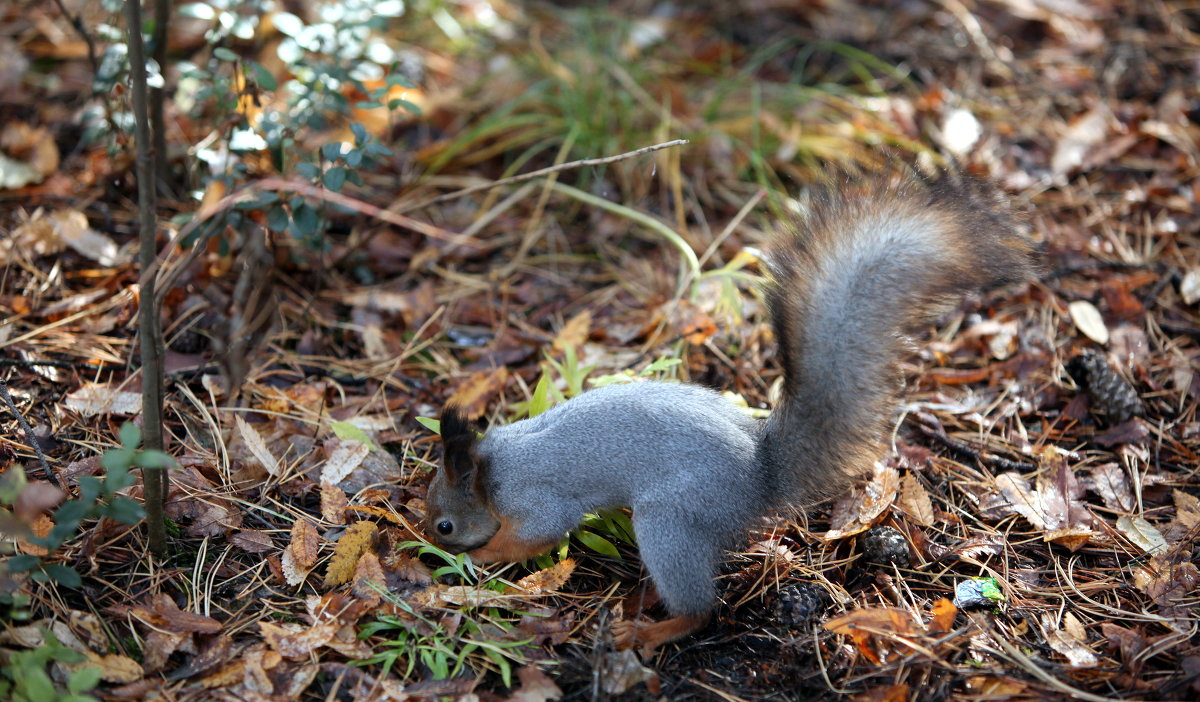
x,y
800,604
884,544
1112,397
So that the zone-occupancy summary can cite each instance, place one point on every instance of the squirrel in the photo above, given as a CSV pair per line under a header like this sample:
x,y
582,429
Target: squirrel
x,y
845,284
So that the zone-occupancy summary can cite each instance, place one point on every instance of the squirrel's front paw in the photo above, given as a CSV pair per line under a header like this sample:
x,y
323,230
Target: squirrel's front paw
x,y
628,633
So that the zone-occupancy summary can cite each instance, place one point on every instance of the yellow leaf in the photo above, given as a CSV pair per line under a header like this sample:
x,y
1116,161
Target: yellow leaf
x,y
472,395
550,578
353,544
333,503
574,332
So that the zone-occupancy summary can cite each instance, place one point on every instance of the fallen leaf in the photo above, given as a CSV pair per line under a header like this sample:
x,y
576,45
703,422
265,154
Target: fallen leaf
x,y
293,574
859,509
1070,641
94,399
1142,533
115,668
620,671
551,578
914,500
253,541
353,543
472,395
333,503
368,575
536,686
305,544
256,445
1110,482
344,457
944,613
1089,321
574,333
297,644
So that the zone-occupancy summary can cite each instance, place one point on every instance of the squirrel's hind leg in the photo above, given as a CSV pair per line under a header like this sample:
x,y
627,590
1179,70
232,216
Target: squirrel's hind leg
x,y
682,562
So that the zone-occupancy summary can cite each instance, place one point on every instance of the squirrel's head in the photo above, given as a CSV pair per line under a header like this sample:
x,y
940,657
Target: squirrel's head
x,y
457,517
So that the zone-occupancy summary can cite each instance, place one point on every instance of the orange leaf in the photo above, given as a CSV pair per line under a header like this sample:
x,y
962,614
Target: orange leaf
x,y
305,543
366,571
550,578
574,332
944,613
472,395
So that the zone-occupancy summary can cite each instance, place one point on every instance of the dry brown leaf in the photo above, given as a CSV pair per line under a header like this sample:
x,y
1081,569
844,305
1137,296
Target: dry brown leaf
x,y
305,544
1112,485
473,394
299,643
620,671
40,527
861,626
1170,585
536,686
1021,498
410,569
1070,641
914,500
333,503
1142,533
256,445
574,333
1187,509
94,399
159,647
354,543
344,456
368,574
115,668
253,541
859,509
381,512
1068,523
551,578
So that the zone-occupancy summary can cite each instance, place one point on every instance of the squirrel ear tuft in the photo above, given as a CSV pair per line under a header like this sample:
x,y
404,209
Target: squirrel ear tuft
x,y
458,442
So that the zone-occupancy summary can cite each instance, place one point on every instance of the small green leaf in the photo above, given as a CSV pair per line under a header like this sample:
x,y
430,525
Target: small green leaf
x,y
335,178
22,563
131,435
114,459
262,76
308,170
367,105
411,107
153,459
349,431
277,218
331,151
597,543
125,510
89,489
353,158
401,80
433,425
360,133
224,54
540,402
304,219
63,575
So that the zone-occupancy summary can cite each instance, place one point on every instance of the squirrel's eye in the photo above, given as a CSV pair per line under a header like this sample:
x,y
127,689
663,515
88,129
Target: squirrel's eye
x,y
444,527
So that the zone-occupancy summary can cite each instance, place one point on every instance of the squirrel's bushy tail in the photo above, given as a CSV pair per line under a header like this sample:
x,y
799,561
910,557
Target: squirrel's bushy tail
x,y
848,281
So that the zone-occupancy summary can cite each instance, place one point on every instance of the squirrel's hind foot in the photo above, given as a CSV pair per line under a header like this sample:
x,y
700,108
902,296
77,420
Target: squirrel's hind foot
x,y
628,633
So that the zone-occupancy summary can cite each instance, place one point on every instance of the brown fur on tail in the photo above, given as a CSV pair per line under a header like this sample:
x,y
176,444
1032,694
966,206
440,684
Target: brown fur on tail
x,y
865,266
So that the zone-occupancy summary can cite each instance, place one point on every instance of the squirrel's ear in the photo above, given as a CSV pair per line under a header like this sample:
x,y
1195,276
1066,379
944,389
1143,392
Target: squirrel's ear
x,y
458,443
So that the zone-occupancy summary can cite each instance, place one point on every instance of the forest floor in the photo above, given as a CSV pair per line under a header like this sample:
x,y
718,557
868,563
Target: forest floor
x,y
1030,534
